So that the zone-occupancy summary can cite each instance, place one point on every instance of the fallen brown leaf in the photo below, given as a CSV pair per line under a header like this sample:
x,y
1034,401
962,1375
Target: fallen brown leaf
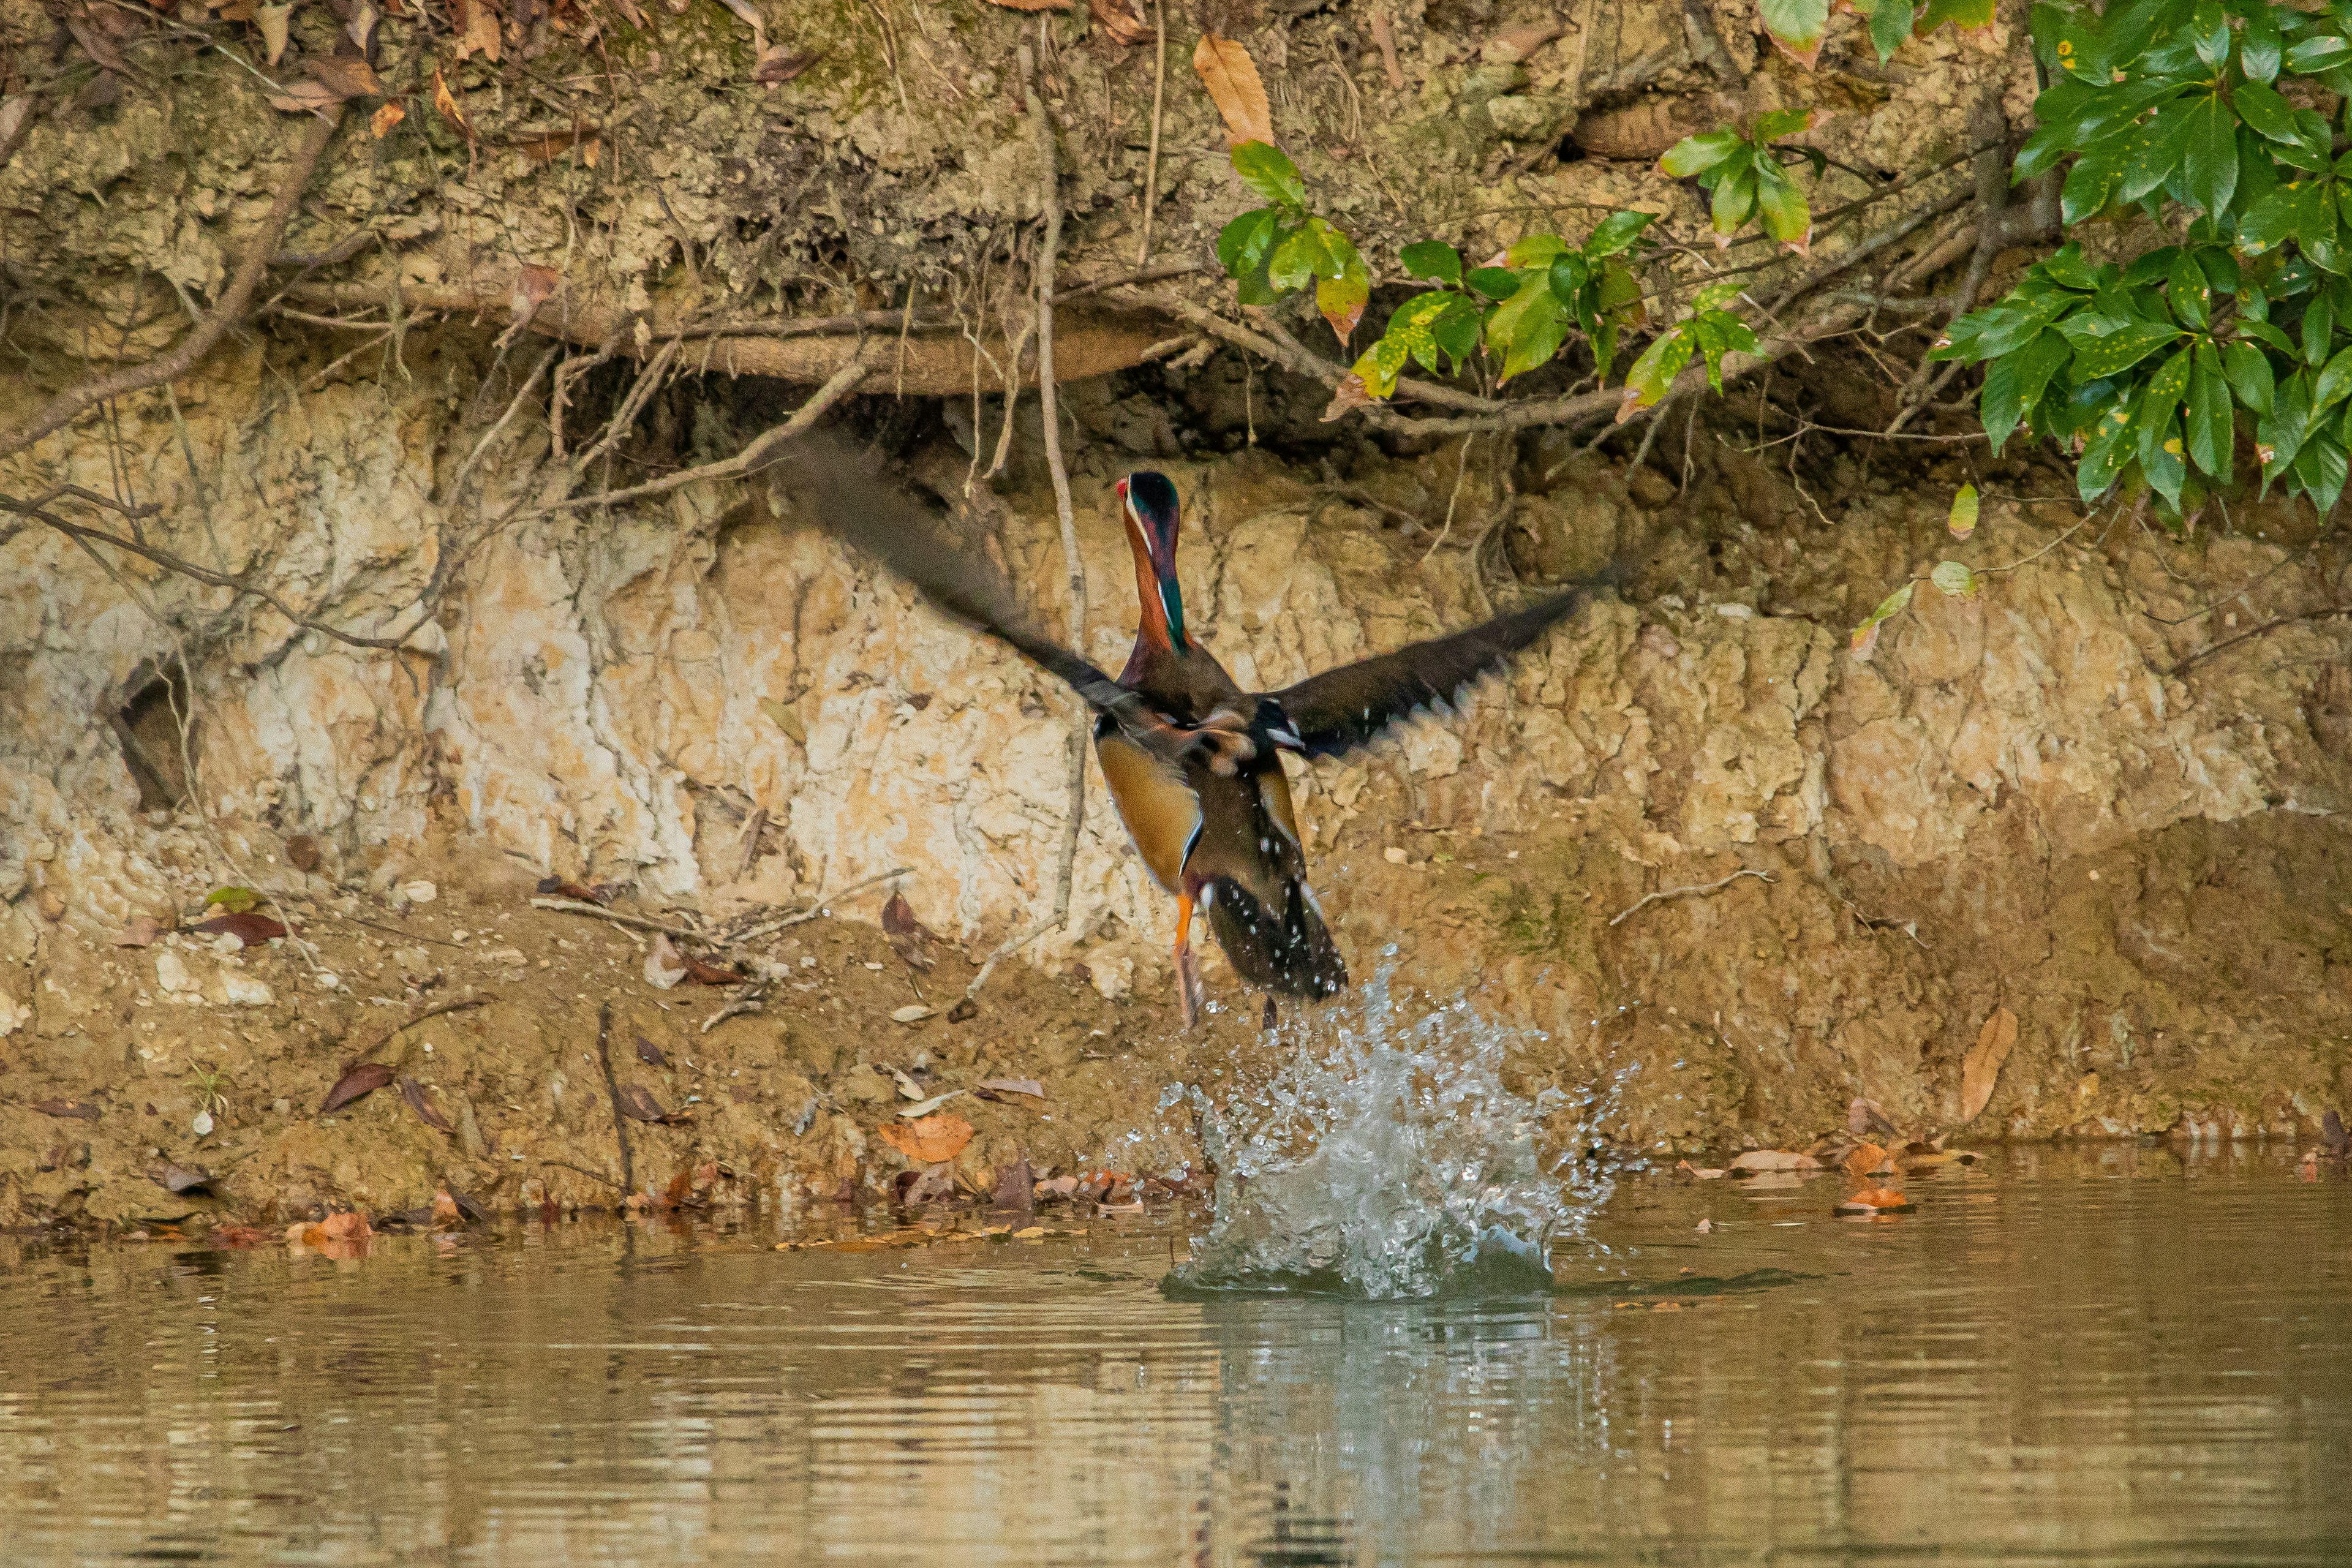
x,y
909,937
1867,1161
380,126
1232,78
638,1104
363,1079
1865,1119
533,284
180,1180
1123,19
557,887
1877,1198
413,1093
302,849
664,965
239,1236
303,97
1028,1086
1016,1185
79,1110
1351,392
102,50
345,76
477,29
650,1054
1980,1071
1034,5
782,65
250,929
447,102
928,1140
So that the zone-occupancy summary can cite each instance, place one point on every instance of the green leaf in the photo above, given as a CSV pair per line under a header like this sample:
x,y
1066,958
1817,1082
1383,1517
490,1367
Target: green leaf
x,y
2251,377
1796,26
1715,296
2153,151
2270,222
2321,469
237,900
1615,232
1894,605
2209,30
1965,507
1534,250
1268,170
2001,406
1969,13
1379,366
1432,258
2210,170
1495,282
2318,331
2258,46
2166,390
1957,579
1773,124
1696,154
2335,381
1735,198
1456,331
2186,291
2103,457
2105,352
1298,259
1787,218
1541,329
1569,275
2270,115
2091,182
2163,461
1341,299
1650,376
2210,432
1242,244
1621,292
1890,26
2067,266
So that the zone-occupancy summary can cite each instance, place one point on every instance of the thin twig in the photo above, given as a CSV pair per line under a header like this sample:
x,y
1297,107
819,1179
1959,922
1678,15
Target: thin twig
x,y
613,1086
2270,625
1159,99
810,913
73,403
457,1005
574,907
584,1171
1664,893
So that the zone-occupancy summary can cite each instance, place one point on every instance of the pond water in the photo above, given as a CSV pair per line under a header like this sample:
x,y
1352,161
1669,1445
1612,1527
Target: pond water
x,y
2108,1357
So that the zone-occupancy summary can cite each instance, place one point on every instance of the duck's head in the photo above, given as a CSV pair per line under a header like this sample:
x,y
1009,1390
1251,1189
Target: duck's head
x,y
1147,500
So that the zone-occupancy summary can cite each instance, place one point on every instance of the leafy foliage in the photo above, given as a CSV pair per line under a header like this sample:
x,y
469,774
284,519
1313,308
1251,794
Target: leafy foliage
x,y
1749,178
1799,25
1519,311
2152,371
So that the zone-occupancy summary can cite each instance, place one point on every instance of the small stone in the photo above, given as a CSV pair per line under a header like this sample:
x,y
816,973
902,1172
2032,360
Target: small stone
x,y
53,905
1393,856
419,892
172,974
202,1124
246,990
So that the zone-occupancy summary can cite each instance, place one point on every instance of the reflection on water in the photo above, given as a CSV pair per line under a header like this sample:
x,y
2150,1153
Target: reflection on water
x,y
2107,1358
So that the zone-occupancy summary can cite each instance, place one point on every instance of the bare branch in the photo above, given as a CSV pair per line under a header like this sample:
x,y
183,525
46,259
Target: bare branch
x,y
73,403
1666,893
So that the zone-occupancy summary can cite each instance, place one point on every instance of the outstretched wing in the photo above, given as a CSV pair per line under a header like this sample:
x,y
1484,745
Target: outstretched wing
x,y
890,525
1339,710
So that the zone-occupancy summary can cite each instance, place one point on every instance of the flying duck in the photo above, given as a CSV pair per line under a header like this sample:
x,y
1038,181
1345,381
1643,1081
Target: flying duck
x,y
1192,761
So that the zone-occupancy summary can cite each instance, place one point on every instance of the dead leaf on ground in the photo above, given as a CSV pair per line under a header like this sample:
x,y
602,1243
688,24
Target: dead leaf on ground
x,y
360,27
102,50
1759,1160
451,110
783,716
1123,19
928,1140
302,849
557,887
1866,1119
638,1104
548,148
1016,1185
1980,1071
413,1093
1866,1160
346,76
363,1079
250,930
913,1013
478,30
1028,1086
79,1110
909,937
1057,1187
350,1226
650,1054
239,1237
782,65
180,1180
1350,394
272,21
1232,78
144,930
1875,1200
1512,44
1034,5
533,285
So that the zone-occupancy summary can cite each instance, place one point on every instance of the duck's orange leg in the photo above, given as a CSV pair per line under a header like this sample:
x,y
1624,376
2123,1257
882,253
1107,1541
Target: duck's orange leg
x,y
1188,968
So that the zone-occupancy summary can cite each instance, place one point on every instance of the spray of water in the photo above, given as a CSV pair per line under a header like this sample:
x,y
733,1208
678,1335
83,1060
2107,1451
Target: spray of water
x,y
1387,1160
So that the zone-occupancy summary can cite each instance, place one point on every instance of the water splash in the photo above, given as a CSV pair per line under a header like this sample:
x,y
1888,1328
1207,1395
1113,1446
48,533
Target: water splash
x,y
1387,1160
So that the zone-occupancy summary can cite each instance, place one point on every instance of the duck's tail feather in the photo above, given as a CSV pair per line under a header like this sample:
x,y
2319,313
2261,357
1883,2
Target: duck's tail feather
x,y
1289,949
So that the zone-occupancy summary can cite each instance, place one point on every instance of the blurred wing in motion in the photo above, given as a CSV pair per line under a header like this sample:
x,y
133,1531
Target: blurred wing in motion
x,y
1340,710
887,523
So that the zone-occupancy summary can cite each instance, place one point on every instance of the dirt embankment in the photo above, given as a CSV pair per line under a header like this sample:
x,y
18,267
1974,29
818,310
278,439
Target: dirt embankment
x,y
2026,799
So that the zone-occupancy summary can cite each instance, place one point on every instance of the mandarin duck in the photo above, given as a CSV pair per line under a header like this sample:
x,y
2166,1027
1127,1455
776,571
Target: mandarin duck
x,y
1192,761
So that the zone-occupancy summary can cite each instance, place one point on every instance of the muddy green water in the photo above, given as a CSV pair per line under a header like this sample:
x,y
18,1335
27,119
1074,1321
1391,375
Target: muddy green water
x,y
2114,1357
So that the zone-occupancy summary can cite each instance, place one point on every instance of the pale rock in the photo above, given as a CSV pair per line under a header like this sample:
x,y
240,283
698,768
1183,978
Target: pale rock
x,y
13,1014
172,974
419,892
246,990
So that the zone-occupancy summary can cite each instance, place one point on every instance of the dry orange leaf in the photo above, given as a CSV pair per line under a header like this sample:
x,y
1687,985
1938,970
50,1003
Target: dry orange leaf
x,y
345,76
477,29
1123,19
1034,5
929,1139
1981,1068
1868,1161
380,122
1232,78
1879,1198
447,102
